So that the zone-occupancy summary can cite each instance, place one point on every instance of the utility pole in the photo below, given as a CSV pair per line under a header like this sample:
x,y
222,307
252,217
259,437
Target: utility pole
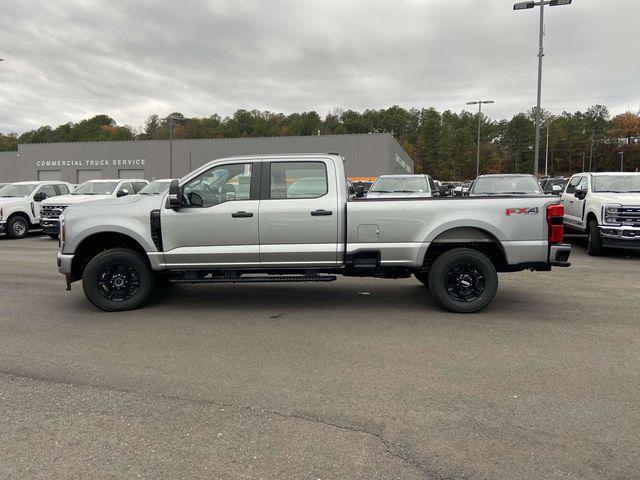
x,y
479,103
524,6
546,155
593,131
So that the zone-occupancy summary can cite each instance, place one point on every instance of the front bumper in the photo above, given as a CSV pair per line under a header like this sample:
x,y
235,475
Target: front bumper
x,y
620,237
64,263
50,226
559,255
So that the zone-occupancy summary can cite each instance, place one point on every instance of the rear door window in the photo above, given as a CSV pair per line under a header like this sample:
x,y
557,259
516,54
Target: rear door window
x,y
291,180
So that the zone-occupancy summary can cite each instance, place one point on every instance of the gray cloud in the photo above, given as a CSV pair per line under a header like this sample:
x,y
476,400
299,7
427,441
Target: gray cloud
x,y
69,59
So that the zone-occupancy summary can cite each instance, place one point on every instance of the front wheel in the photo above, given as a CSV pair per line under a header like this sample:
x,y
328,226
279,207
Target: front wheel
x,y
463,280
118,279
594,241
17,227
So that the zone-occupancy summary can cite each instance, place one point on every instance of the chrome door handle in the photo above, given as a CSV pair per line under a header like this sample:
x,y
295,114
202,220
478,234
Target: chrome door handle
x,y
241,214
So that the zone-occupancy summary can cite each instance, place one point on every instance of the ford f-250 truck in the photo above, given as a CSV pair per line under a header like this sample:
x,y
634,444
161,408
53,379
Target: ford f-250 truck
x,y
605,205
245,219
20,205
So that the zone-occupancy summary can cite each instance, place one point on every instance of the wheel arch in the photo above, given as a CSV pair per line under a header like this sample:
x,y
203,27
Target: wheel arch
x,y
20,213
96,243
475,238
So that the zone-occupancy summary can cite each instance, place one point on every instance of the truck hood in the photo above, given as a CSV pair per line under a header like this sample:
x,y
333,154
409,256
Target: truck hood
x,y
398,195
622,198
74,199
107,201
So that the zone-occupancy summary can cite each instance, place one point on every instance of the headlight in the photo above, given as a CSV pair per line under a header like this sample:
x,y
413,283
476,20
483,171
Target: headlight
x,y
612,209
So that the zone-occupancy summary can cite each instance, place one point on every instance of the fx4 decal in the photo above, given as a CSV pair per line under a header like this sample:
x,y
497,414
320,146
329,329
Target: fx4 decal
x,y
523,211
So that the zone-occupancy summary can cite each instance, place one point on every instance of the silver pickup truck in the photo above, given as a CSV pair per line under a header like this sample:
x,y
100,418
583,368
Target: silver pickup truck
x,y
287,218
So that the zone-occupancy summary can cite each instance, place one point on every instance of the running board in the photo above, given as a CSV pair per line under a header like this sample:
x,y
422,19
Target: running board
x,y
258,279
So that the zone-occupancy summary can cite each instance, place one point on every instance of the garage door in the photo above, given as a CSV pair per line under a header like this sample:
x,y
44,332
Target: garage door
x,y
86,175
49,175
126,173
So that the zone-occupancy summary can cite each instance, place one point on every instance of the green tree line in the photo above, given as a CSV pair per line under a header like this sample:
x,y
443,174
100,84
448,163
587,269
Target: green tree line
x,y
441,143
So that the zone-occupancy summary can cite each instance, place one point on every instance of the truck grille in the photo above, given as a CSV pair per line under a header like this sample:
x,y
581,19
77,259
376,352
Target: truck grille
x,y
51,211
627,215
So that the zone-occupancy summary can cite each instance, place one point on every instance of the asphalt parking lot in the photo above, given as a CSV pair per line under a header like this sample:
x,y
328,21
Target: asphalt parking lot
x,y
358,378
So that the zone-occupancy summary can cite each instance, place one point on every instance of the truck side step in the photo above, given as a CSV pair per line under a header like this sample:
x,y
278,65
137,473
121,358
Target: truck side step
x,y
257,279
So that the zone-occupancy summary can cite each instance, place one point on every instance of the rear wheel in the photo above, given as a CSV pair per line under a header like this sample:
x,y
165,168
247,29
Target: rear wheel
x,y
17,227
463,280
594,241
117,279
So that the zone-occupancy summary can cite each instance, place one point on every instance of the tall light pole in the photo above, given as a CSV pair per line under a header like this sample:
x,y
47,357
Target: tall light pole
x,y
479,103
170,119
524,6
546,155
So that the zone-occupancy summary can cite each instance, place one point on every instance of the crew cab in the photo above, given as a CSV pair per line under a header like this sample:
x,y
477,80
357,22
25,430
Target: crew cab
x,y
20,205
92,190
605,206
236,220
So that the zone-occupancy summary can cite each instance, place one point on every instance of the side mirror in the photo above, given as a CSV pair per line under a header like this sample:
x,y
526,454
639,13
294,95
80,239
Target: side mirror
x,y
122,193
40,196
580,194
175,197
360,191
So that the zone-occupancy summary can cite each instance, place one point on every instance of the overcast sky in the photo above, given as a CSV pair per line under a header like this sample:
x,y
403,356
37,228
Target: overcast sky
x,y
66,60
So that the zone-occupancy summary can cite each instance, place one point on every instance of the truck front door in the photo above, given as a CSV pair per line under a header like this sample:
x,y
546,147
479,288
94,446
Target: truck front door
x,y
217,223
299,214
573,206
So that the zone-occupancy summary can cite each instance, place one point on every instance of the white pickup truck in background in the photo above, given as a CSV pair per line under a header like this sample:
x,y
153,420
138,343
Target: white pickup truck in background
x,y
92,190
20,204
605,206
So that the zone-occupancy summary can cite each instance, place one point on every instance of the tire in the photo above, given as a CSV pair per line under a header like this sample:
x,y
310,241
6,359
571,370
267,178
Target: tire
x,y
17,227
117,280
53,235
463,280
594,242
422,277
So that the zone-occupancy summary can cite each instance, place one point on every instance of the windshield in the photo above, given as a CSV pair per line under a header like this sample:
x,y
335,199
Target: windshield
x,y
615,183
155,188
402,184
22,190
506,185
96,188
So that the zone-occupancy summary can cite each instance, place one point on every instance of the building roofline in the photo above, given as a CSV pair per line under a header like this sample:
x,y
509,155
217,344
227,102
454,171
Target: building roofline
x,y
284,137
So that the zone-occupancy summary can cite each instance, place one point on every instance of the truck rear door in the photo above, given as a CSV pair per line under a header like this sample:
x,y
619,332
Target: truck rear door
x,y
298,213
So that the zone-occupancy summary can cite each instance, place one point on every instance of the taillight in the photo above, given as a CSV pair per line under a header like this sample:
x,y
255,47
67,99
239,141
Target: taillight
x,y
555,220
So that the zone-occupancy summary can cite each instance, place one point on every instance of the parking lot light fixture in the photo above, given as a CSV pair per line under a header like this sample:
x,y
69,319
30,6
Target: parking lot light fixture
x,y
479,103
525,6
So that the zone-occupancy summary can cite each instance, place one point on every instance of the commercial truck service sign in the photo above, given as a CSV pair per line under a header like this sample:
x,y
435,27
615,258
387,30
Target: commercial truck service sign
x,y
91,163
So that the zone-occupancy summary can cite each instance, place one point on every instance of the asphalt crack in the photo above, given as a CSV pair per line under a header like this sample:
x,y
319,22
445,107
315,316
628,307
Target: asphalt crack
x,y
389,448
